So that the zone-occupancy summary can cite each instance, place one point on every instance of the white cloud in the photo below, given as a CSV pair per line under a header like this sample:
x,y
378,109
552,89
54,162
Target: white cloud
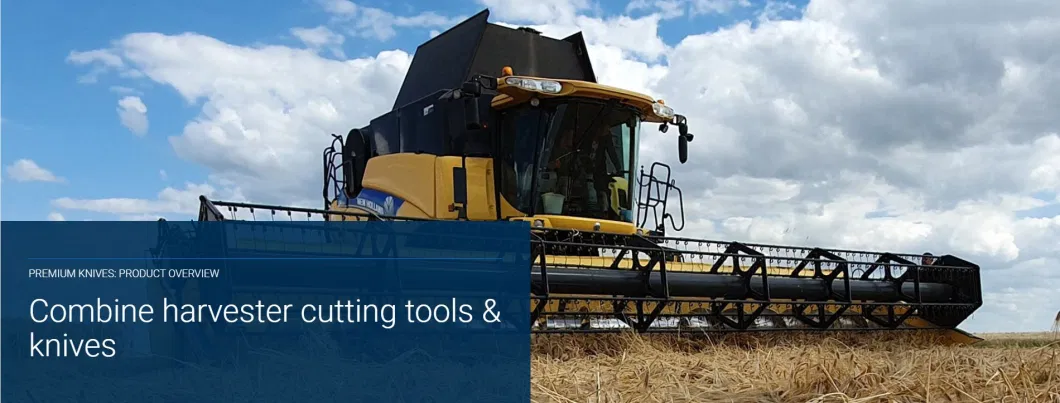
x,y
118,89
632,36
536,12
676,8
340,7
102,59
321,37
168,202
25,170
267,112
95,57
162,174
369,22
133,114
845,127
869,136
665,8
53,216
717,6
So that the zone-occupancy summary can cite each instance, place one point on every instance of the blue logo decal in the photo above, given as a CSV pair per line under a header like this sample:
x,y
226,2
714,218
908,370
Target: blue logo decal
x,y
377,202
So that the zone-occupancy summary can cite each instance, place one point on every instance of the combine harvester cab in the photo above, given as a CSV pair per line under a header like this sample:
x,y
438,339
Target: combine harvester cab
x,y
495,123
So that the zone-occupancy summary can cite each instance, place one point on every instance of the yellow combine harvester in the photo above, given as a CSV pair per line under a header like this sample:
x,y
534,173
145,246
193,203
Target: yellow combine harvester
x,y
495,123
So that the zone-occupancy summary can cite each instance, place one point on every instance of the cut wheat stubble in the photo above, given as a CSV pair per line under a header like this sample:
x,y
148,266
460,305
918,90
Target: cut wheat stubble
x,y
889,367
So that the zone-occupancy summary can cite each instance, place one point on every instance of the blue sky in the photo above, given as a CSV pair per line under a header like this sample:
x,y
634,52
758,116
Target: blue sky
x,y
49,110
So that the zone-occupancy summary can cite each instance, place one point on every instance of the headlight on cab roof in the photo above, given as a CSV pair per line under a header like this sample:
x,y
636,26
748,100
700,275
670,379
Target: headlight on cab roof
x,y
530,84
662,111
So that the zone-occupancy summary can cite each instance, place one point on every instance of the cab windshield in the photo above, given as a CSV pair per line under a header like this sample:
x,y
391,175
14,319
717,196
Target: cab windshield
x,y
572,157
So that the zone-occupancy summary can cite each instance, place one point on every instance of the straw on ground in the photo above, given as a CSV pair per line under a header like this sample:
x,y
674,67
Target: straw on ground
x,y
802,368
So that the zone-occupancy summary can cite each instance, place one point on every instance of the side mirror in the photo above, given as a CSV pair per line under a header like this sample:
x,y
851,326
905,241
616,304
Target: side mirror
x,y
682,148
683,137
471,92
472,117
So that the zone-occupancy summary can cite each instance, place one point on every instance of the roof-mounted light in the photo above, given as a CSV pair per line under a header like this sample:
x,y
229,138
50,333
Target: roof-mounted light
x,y
530,84
662,111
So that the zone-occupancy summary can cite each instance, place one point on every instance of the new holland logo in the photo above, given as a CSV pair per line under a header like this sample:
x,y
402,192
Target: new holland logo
x,y
388,206
386,209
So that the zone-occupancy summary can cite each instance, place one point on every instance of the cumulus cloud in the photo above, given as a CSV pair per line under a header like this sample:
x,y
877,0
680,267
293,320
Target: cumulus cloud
x,y
537,12
845,127
717,6
625,33
267,112
167,202
677,8
370,22
897,126
53,216
25,170
321,37
101,58
665,8
133,114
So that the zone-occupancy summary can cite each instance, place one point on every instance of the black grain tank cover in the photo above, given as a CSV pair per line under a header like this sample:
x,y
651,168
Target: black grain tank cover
x,y
429,125
476,46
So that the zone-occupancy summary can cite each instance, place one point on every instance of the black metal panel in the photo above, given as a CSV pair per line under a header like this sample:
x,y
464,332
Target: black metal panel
x,y
424,127
476,46
582,51
529,54
969,290
477,142
385,136
428,126
408,123
628,283
442,62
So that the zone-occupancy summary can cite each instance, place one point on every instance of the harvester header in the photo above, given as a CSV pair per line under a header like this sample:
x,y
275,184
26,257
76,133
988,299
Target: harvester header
x,y
495,123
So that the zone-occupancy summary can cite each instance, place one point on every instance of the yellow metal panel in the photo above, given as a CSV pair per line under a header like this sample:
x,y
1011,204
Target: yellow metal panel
x,y
618,184
510,96
509,211
406,175
411,211
627,263
583,224
480,193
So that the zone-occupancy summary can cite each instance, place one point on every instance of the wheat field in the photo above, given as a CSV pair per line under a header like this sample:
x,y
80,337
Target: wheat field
x,y
844,367
811,367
